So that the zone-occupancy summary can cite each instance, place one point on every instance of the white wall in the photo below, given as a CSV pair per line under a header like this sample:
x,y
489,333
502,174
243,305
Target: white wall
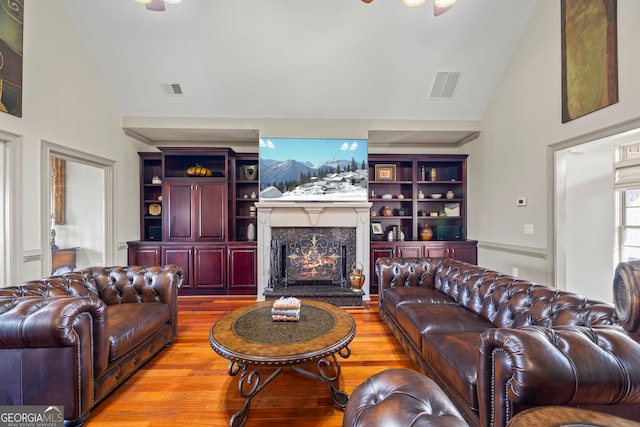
x,y
590,220
509,159
65,102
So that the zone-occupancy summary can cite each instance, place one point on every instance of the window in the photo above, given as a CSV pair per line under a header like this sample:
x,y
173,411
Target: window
x,y
627,183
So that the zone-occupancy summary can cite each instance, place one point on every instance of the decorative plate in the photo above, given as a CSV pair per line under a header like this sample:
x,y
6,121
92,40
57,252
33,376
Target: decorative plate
x,y
155,209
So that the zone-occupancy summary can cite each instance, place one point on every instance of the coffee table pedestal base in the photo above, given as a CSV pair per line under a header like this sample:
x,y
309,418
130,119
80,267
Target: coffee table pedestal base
x,y
249,383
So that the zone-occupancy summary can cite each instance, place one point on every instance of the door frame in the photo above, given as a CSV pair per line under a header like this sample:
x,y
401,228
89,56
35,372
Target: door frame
x,y
12,195
49,150
556,193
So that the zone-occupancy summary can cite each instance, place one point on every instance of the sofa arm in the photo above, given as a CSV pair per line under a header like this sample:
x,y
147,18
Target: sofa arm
x,y
568,365
49,322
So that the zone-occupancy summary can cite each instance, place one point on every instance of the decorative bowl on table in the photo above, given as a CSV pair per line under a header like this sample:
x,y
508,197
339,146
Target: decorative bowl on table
x,y
435,195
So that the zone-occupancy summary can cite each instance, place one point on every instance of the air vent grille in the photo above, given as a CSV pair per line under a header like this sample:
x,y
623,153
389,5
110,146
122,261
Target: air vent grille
x,y
445,84
172,89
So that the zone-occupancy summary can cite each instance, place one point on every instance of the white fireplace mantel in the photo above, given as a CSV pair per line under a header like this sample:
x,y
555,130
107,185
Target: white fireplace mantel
x,y
310,214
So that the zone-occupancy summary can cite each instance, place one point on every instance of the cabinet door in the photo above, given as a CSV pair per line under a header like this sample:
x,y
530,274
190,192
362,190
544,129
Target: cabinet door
x,y
377,252
464,251
409,251
183,256
436,250
242,262
210,202
209,268
178,218
144,255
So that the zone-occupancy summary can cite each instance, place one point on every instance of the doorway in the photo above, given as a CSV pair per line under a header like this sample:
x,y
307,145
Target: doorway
x,y
583,201
78,210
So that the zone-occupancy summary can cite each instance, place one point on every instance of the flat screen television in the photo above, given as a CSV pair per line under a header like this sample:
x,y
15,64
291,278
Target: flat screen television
x,y
313,169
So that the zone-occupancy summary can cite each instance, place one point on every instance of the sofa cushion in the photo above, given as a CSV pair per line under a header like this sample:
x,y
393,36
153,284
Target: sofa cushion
x,y
392,297
454,357
130,324
416,319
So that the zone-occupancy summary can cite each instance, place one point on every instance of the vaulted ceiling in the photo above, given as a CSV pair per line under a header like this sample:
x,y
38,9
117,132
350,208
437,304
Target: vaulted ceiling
x,y
299,59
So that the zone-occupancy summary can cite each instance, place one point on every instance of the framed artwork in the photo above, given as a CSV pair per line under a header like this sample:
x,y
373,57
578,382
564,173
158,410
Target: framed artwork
x,y
376,228
385,172
58,181
589,56
11,37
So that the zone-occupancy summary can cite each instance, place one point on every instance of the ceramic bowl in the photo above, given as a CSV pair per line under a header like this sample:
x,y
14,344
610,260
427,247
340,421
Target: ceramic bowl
x,y
435,195
387,196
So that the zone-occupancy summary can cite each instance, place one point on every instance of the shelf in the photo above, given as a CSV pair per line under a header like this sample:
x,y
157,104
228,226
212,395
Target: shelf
x,y
377,199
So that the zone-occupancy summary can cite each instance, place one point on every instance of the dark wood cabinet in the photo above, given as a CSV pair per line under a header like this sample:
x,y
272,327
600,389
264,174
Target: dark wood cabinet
x,y
242,274
151,196
210,270
378,251
142,253
462,250
194,211
244,194
427,189
419,190
199,222
183,256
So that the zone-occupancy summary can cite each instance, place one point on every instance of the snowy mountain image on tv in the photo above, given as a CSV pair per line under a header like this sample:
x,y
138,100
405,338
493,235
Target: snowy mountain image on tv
x,y
312,169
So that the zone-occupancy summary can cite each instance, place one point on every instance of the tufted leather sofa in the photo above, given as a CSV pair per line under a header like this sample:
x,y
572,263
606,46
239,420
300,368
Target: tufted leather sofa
x,y
70,340
497,345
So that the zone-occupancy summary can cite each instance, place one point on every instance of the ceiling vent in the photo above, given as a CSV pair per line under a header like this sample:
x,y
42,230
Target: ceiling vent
x,y
171,89
444,85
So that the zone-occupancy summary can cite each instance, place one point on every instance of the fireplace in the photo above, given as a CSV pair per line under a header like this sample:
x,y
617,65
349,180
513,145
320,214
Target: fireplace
x,y
311,244
311,256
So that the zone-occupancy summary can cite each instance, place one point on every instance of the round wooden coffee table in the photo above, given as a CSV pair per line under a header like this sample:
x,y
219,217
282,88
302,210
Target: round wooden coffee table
x,y
565,416
250,340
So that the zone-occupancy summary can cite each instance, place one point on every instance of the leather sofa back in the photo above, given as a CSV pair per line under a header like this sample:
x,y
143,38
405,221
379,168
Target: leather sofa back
x,y
508,302
505,301
120,285
72,284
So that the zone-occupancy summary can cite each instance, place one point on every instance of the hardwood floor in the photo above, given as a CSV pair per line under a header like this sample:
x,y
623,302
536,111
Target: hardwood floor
x,y
188,384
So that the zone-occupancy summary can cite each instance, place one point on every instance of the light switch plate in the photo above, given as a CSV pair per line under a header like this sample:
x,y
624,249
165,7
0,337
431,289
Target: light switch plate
x,y
522,201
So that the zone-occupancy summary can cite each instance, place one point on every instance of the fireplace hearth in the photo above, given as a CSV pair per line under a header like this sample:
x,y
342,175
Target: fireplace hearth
x,y
306,249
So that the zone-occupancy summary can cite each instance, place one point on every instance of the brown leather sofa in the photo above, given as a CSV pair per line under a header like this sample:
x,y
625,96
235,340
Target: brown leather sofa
x,y
497,345
70,340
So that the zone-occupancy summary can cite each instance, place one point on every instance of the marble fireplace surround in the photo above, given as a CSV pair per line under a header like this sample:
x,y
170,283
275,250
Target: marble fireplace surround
x,y
311,214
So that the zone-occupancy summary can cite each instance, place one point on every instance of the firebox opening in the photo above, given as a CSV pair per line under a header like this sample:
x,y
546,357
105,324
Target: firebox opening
x,y
311,256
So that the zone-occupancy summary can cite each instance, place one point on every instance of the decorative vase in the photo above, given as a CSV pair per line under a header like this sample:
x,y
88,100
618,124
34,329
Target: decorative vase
x,y
356,278
426,233
251,232
387,211
450,195
250,171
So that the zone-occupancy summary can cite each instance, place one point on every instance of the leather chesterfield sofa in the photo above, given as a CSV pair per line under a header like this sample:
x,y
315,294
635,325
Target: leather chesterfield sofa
x,y
497,345
70,340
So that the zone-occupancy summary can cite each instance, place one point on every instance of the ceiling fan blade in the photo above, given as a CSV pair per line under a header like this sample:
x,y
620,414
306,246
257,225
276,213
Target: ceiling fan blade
x,y
156,5
437,11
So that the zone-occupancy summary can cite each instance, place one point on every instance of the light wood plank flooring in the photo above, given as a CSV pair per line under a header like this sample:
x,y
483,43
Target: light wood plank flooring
x,y
188,385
